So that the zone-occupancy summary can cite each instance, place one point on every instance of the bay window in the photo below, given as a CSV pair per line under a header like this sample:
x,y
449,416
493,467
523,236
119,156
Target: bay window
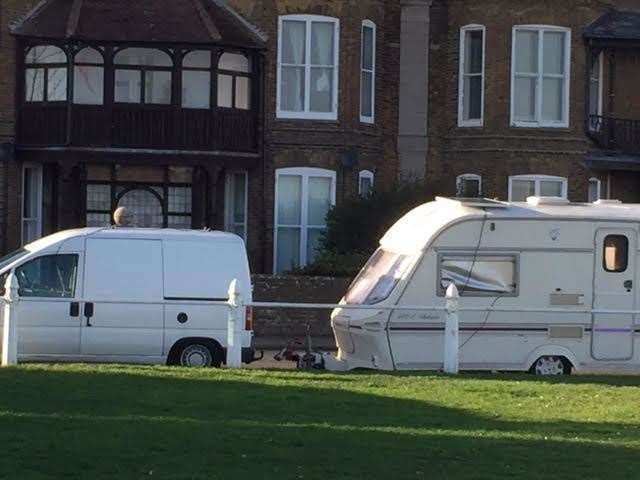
x,y
308,52
196,79
471,76
523,186
368,72
88,77
46,74
302,201
234,85
143,75
541,62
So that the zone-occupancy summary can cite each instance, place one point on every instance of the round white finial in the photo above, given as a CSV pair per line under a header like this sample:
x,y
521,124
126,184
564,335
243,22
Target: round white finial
x,y
122,217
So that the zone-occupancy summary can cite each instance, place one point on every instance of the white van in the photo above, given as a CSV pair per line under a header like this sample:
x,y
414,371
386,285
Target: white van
x,y
507,259
128,295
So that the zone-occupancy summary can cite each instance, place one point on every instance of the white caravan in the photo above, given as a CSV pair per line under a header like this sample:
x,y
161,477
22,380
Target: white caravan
x,y
128,295
576,261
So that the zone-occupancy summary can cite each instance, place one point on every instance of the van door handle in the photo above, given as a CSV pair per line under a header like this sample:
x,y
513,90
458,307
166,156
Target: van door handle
x,y
88,312
628,285
74,309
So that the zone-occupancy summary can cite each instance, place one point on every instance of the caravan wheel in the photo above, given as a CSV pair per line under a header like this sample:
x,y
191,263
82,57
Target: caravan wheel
x,y
551,365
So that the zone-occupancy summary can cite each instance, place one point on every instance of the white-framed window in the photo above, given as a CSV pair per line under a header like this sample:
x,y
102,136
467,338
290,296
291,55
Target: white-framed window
x,y
595,189
469,185
595,91
365,183
308,53
471,76
236,203
31,202
368,72
540,76
523,186
302,199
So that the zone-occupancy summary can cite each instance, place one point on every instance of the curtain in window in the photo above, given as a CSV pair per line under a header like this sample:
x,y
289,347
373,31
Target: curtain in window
x,y
292,89
322,45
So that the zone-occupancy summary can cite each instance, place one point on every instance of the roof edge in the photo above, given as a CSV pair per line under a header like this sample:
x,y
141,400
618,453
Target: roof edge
x,y
255,31
35,11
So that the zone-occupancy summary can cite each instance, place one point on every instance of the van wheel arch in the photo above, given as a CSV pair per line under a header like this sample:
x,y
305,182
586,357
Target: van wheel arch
x,y
568,358
214,347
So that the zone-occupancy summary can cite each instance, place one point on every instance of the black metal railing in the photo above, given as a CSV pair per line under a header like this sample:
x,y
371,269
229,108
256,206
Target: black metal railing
x,y
617,134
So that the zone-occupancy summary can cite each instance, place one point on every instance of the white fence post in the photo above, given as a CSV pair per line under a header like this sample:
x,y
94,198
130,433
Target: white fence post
x,y
451,331
10,332
234,344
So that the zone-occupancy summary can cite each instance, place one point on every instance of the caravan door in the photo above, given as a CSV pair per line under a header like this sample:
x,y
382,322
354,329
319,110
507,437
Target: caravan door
x,y
614,289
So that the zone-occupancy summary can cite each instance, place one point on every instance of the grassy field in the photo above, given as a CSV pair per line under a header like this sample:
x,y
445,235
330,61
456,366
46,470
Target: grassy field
x,y
88,422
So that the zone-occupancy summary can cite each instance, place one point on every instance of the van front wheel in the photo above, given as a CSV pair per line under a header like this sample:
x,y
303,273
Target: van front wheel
x,y
551,365
198,355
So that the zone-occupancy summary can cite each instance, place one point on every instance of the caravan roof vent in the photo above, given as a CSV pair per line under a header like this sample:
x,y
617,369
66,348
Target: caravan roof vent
x,y
473,202
607,202
535,201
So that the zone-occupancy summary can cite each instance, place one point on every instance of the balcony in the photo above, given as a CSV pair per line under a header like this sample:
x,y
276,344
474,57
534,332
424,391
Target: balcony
x,y
615,134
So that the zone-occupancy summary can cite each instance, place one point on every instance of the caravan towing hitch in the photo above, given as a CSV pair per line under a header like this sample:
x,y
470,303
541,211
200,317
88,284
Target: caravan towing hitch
x,y
302,353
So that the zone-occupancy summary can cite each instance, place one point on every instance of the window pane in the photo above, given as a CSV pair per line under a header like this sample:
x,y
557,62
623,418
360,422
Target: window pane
x,y
179,199
366,186
322,34
473,98
468,188
292,89
367,48
366,100
288,252
526,52
239,196
197,59
234,61
594,190
616,253
525,99
34,85
89,55
293,42
31,193
243,93
143,56
321,90
158,87
53,276
144,207
553,53
179,222
225,91
551,188
319,200
521,189
98,197
552,99
88,85
46,54
479,275
57,84
289,200
98,219
127,89
473,52
196,89
313,243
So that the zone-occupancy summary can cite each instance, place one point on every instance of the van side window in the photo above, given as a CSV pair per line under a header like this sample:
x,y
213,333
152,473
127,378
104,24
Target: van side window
x,y
52,276
615,257
479,275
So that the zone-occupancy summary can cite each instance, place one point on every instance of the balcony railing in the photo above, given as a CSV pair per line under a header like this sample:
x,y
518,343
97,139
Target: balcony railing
x,y
135,126
615,134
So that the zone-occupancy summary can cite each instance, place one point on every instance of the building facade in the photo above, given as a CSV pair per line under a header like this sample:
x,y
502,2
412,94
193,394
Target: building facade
x,y
534,98
249,116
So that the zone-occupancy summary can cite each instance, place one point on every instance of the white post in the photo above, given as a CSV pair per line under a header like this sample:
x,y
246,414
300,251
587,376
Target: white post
x,y
234,344
451,329
10,332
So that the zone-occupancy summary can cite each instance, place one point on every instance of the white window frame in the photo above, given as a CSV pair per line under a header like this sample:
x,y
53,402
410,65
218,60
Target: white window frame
x,y
305,173
472,177
538,122
37,168
229,197
461,76
365,175
307,114
537,179
598,183
372,26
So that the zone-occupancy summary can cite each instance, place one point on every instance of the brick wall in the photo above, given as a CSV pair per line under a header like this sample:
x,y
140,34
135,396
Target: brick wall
x,y
498,150
274,327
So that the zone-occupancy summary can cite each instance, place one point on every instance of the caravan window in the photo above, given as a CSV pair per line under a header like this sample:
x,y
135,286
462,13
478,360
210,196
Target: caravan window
x,y
478,275
616,253
378,278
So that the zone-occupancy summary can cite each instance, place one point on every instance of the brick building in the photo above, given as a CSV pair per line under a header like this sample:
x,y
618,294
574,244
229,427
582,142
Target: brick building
x,y
250,116
534,98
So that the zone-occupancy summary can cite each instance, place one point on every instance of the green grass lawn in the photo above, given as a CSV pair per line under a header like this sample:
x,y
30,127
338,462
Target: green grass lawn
x,y
99,422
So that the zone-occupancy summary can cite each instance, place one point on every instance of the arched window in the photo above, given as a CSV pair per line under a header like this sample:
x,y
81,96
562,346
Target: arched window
x,y
365,183
145,207
196,79
143,75
88,77
234,83
46,74
469,185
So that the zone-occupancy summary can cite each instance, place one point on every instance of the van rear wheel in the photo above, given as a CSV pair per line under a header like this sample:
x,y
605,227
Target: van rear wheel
x,y
551,365
199,355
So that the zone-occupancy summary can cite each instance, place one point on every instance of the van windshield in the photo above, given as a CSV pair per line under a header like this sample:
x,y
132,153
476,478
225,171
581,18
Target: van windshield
x,y
378,278
12,257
